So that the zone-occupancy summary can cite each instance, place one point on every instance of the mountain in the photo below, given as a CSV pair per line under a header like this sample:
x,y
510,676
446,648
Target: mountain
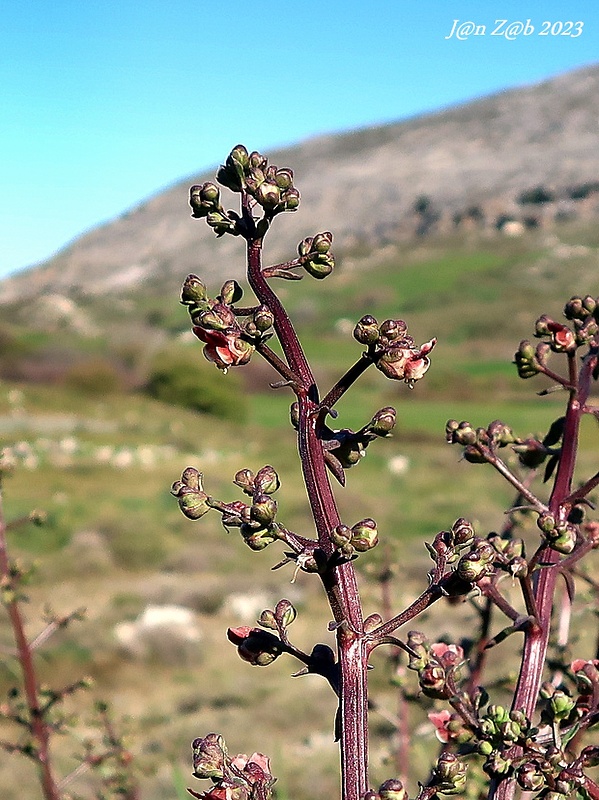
x,y
528,154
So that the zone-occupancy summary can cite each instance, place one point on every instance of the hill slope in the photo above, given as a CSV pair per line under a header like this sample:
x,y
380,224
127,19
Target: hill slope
x,y
363,186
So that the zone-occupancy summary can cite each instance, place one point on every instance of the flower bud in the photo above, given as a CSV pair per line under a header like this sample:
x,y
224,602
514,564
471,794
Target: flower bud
x,y
193,291
530,777
531,453
394,329
432,680
364,535
268,195
319,266
267,620
543,325
305,246
382,422
203,199
473,567
463,532
245,480
321,243
393,789
561,705
450,773
209,756
283,178
231,292
263,318
239,156
565,542
263,510
340,535
291,200
525,360
266,480
285,613
220,223
254,645
367,330
418,658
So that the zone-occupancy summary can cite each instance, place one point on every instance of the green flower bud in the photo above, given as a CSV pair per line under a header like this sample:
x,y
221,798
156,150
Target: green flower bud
x,y
193,291
340,535
525,360
496,764
393,329
319,266
239,155
209,756
530,777
382,422
267,620
462,532
256,539
485,748
263,510
268,195
565,542
321,243
245,480
284,178
192,503
305,246
263,318
418,658
266,480
291,199
561,705
230,293
450,773
367,330
294,415
285,613
220,223
364,535
393,789
472,567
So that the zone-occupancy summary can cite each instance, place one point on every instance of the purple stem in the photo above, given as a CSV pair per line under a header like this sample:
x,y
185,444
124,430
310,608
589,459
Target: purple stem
x,y
339,582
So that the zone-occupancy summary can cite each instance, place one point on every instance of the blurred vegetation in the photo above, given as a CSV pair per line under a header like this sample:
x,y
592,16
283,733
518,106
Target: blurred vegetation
x,y
180,376
99,456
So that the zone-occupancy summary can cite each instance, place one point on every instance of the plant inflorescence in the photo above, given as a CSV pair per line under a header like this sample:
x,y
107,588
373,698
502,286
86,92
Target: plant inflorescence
x,y
539,741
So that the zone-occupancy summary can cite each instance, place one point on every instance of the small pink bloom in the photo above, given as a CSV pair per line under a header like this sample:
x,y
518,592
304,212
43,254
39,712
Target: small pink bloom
x,y
447,654
224,349
440,720
239,635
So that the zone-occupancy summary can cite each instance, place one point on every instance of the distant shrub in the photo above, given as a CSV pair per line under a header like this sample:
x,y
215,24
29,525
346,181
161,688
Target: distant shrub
x,y
95,376
180,377
583,190
536,196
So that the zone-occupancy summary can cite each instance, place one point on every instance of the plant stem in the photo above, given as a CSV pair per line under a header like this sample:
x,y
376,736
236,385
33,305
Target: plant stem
x,y
39,730
339,582
536,638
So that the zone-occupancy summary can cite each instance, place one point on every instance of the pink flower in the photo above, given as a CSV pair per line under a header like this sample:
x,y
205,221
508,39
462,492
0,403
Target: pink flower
x,y
440,720
407,364
224,349
449,655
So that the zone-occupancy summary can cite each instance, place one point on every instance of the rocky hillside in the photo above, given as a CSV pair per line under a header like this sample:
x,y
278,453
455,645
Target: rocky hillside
x,y
528,155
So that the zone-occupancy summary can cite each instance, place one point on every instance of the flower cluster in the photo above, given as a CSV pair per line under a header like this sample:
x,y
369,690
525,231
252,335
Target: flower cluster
x,y
393,349
215,322
233,778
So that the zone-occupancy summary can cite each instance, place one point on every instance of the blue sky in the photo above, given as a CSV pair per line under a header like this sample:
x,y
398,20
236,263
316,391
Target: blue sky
x,y
104,103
